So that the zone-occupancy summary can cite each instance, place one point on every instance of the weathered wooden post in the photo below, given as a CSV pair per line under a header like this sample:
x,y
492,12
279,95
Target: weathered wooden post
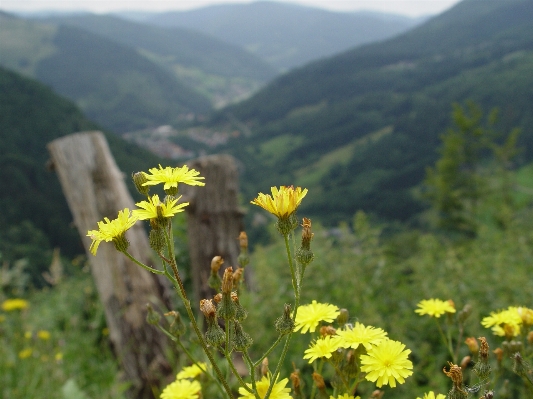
x,y
94,188
214,218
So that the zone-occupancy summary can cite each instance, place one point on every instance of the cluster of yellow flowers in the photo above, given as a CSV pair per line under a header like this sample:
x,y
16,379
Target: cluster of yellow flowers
x,y
509,322
384,361
114,230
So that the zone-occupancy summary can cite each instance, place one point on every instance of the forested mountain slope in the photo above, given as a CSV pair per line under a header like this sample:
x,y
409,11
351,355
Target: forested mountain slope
x,y
362,127
35,216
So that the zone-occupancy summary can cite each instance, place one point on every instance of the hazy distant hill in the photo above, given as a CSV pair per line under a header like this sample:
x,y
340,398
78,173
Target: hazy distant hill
x,y
112,83
361,127
286,35
35,216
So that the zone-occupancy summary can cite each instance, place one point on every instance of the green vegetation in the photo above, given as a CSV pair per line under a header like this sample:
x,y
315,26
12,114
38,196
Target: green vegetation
x,y
114,85
405,84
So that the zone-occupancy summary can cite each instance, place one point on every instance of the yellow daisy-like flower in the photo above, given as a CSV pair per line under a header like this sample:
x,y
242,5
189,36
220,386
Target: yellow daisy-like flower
x,y
345,396
435,307
323,347
149,208
387,363
111,230
431,395
506,322
182,389
14,304
361,335
43,334
192,371
506,330
171,177
309,316
283,202
25,353
279,391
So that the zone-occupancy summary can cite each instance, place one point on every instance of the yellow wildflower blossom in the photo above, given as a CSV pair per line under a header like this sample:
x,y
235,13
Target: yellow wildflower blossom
x,y
14,304
361,335
279,391
171,177
309,316
387,363
431,395
283,202
192,371
111,230
323,347
182,389
149,208
435,307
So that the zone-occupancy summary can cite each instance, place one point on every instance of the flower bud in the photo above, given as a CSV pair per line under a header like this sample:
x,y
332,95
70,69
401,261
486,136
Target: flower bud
x,y
285,324
464,313
227,281
152,316
177,327
465,362
287,224
240,312
264,367
139,179
327,330
456,375
296,382
520,367
241,340
351,368
237,276
214,281
343,317
304,255
499,354
473,347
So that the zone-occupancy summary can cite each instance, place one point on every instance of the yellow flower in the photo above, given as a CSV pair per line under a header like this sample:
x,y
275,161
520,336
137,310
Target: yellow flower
x,y
431,395
149,208
387,363
435,307
182,389
507,316
283,202
192,371
172,176
28,335
43,334
309,316
278,390
323,347
14,304
25,353
111,230
58,356
345,396
359,334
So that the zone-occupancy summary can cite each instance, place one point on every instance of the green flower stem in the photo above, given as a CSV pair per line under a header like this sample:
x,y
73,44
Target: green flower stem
x,y
187,303
296,288
257,363
239,378
251,369
446,341
459,340
339,373
150,269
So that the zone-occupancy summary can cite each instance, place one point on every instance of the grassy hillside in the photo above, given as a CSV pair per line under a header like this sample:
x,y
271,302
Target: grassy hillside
x,y
35,216
285,35
111,83
363,126
213,67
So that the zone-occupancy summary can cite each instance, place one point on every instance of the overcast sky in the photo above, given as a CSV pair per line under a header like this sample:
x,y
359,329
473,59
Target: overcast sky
x,y
406,7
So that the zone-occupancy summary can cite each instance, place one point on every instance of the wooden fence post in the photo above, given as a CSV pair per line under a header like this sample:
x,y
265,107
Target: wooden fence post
x,y
214,218
94,188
